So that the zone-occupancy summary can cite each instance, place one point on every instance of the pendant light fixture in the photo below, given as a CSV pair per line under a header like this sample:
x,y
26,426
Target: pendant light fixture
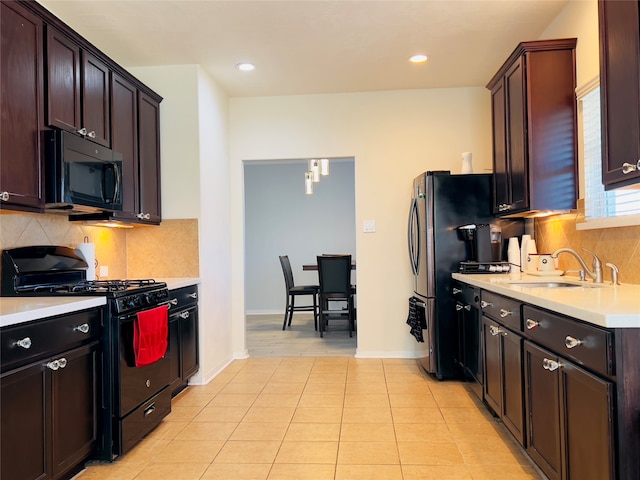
x,y
314,168
308,183
324,166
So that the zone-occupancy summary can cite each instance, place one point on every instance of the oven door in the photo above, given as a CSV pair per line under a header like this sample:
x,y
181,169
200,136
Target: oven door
x,y
137,384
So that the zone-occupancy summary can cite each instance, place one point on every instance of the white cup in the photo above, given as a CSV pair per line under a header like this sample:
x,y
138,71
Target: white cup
x,y
546,263
533,259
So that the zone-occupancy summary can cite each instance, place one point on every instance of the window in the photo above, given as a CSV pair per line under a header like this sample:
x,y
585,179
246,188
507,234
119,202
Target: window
x,y
623,205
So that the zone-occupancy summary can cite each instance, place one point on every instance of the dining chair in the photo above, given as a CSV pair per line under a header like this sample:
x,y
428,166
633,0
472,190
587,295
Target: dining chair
x,y
334,273
294,291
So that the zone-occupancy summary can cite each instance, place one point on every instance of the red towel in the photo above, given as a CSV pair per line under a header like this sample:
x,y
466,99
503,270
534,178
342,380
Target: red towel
x,y
150,334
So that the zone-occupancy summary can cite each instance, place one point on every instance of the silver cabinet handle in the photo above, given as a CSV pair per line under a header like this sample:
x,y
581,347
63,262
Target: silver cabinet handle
x,y
550,365
505,313
193,295
144,216
627,168
531,324
493,330
484,304
503,207
84,328
467,308
91,134
148,411
4,196
571,342
24,343
458,307
184,315
456,290
58,363
82,131
173,301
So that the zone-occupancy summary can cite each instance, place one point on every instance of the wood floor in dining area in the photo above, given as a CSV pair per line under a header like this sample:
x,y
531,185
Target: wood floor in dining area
x,y
265,337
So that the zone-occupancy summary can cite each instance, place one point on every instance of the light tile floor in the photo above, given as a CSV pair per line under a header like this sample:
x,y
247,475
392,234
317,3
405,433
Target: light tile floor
x,y
323,418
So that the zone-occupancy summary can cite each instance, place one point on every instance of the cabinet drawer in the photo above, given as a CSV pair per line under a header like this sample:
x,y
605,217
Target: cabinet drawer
x,y
25,343
182,297
585,344
502,309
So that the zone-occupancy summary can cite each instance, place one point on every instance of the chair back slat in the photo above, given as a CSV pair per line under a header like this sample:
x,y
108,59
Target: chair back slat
x,y
334,273
288,273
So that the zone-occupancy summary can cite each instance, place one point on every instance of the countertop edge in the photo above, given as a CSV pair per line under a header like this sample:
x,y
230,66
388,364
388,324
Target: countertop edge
x,y
609,306
15,310
179,282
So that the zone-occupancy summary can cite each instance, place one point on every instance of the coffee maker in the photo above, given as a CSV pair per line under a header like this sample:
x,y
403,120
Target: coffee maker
x,y
478,242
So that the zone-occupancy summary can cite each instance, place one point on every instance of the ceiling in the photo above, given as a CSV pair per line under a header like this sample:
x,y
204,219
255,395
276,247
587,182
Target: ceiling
x,y
315,46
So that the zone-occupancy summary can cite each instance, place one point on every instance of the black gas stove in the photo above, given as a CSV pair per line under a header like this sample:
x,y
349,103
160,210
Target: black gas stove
x,y
130,393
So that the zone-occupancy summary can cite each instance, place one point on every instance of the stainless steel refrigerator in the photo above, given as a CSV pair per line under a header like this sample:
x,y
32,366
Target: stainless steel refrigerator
x,y
442,202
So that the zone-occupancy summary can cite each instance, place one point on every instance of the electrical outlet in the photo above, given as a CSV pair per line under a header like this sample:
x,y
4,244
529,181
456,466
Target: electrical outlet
x,y
104,271
369,226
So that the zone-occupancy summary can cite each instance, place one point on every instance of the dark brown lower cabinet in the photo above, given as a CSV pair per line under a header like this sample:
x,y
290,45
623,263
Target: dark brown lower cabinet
x,y
48,416
569,418
503,389
183,336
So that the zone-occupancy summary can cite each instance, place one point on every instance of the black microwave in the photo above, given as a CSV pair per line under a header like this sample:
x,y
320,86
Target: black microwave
x,y
81,176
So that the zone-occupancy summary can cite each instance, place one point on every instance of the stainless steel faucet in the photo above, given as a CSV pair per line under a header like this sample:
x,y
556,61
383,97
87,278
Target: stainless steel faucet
x,y
595,274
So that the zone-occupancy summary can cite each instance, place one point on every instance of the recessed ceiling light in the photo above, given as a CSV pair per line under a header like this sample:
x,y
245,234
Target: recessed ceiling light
x,y
245,67
420,58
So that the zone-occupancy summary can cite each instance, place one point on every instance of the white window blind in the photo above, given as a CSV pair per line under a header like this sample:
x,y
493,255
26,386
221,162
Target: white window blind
x,y
599,203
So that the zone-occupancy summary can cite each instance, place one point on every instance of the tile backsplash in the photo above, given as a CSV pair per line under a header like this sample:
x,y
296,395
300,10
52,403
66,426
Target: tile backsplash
x,y
620,246
168,250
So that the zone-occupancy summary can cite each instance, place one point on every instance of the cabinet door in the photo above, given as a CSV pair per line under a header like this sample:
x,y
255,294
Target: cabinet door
x,y
24,408
501,197
542,387
20,108
587,407
63,82
620,90
492,364
512,413
124,139
149,158
75,398
95,99
517,136
189,343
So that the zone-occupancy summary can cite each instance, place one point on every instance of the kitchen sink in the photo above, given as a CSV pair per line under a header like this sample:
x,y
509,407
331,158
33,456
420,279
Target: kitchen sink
x,y
527,284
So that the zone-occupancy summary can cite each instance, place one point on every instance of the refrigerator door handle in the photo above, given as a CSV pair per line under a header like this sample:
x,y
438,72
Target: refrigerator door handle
x,y
414,236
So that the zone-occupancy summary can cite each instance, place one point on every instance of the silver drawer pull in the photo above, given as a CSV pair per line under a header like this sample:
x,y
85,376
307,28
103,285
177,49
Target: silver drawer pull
x,y
184,315
493,330
505,313
148,411
62,362
24,343
57,364
193,295
627,168
467,308
84,328
456,290
484,304
4,196
571,342
173,301
458,307
531,324
550,365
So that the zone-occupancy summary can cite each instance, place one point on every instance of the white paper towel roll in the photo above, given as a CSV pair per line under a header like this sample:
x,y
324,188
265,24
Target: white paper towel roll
x,y
88,251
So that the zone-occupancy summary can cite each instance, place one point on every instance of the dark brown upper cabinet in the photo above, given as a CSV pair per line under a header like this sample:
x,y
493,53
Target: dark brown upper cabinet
x,y
620,92
21,109
149,159
77,89
534,129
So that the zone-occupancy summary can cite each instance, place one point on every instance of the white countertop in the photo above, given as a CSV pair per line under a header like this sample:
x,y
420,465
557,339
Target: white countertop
x,y
600,304
14,310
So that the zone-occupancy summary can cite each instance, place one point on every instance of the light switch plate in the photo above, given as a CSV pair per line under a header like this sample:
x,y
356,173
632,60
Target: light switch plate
x,y
369,226
104,271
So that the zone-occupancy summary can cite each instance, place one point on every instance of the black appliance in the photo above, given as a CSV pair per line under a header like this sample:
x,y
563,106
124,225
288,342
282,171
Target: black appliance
x,y
134,399
441,203
81,176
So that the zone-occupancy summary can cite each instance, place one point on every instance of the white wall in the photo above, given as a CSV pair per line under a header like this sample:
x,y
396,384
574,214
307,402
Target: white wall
x,y
281,220
393,136
195,173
